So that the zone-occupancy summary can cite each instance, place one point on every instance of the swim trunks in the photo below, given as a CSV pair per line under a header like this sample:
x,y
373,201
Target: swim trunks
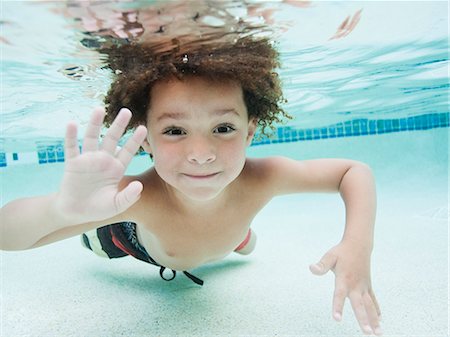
x,y
245,242
119,240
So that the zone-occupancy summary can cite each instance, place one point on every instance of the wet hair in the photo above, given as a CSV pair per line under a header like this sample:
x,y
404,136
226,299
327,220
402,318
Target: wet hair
x,y
249,61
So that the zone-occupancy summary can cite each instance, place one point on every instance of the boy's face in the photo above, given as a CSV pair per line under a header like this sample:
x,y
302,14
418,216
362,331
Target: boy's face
x,y
198,133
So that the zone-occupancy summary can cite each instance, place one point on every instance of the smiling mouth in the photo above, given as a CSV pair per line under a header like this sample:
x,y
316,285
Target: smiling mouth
x,y
201,176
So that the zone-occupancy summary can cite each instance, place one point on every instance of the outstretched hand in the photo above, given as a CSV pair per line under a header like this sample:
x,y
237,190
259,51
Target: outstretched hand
x,y
352,270
90,186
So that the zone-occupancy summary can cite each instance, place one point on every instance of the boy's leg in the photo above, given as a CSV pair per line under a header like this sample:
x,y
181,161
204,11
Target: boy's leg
x,y
248,245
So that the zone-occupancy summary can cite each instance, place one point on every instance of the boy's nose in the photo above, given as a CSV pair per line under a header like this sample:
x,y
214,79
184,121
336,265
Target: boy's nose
x,y
201,152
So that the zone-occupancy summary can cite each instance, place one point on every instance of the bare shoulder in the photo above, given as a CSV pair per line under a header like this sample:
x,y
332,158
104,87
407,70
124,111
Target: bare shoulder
x,y
256,166
285,175
262,173
269,166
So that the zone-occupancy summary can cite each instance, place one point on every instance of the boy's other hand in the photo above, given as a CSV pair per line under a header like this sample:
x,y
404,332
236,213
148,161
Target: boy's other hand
x,y
351,267
90,185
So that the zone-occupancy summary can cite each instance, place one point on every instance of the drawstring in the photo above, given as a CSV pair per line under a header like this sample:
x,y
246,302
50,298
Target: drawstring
x,y
161,273
138,251
194,279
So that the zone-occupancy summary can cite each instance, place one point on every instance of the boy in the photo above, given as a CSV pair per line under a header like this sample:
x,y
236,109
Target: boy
x,y
196,108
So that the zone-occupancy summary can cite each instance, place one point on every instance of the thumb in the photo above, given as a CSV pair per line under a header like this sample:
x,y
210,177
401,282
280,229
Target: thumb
x,y
327,262
128,196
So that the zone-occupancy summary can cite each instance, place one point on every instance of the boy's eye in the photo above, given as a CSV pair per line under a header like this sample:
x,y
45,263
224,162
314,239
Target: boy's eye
x,y
224,129
174,132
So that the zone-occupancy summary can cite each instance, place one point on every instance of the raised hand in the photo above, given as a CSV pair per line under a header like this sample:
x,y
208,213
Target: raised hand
x,y
90,188
351,266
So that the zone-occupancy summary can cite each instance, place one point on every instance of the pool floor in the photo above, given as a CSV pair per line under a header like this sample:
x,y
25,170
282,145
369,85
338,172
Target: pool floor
x,y
64,290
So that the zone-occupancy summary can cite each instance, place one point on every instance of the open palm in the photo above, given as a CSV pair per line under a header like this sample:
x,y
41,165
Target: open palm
x,y
90,188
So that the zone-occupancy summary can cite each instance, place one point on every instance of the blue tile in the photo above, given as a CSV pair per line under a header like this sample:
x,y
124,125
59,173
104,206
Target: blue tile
x,y
332,132
301,134
316,133
3,162
364,126
426,122
280,133
372,127
42,156
286,134
324,133
388,125
403,124
59,153
411,123
51,155
348,128
308,134
395,124
380,126
434,120
418,123
444,119
356,127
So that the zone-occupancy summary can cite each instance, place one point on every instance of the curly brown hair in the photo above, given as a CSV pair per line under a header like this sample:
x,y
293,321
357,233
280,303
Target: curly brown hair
x,y
249,61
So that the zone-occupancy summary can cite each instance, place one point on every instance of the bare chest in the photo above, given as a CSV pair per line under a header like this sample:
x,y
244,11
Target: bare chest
x,y
183,242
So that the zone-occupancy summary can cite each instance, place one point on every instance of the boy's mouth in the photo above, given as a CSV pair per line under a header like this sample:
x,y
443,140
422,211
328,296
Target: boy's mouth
x,y
201,176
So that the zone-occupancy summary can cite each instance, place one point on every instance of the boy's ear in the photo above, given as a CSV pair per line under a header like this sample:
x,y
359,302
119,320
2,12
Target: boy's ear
x,y
251,130
146,146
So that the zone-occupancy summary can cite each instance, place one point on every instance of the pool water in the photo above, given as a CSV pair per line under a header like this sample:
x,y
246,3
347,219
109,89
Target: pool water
x,y
370,81
64,289
379,95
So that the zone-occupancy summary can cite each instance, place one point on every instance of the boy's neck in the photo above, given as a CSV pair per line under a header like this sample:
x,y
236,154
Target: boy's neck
x,y
185,204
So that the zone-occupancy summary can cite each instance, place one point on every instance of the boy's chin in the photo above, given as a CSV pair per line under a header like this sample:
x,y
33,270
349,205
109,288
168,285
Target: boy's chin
x,y
203,195
199,194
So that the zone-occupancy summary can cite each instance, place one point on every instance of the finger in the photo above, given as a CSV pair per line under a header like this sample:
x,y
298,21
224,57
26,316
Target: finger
x,y
128,196
340,293
359,309
327,262
90,142
116,131
372,314
132,145
375,302
71,148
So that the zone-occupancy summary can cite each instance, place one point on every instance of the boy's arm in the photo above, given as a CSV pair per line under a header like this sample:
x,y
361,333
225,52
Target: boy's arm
x,y
33,222
93,190
350,259
353,180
